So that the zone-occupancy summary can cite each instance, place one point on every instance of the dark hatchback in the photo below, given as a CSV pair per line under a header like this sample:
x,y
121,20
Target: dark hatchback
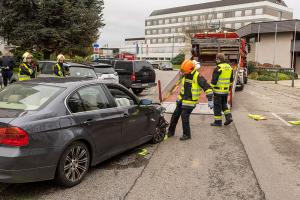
x,y
137,75
58,128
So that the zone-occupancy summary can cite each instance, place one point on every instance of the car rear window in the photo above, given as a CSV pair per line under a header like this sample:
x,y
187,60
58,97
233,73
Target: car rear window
x,y
123,66
27,97
104,70
138,66
82,72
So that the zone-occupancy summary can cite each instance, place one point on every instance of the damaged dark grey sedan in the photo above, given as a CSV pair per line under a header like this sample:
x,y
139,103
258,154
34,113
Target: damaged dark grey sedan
x,y
57,128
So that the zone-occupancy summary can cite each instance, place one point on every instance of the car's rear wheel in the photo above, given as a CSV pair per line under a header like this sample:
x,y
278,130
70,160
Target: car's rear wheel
x,y
73,165
137,90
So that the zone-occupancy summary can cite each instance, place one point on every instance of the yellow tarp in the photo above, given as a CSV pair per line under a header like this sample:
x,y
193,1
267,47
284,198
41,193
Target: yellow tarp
x,y
257,117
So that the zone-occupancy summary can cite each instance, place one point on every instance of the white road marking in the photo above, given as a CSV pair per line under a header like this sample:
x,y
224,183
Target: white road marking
x,y
258,95
285,122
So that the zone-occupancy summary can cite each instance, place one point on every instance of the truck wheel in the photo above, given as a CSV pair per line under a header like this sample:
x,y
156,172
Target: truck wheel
x,y
137,90
73,165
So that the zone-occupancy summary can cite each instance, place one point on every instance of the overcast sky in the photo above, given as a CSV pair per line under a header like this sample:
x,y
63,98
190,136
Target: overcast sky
x,y
126,19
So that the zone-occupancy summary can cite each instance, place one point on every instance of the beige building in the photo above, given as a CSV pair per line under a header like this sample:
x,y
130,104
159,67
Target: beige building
x,y
273,43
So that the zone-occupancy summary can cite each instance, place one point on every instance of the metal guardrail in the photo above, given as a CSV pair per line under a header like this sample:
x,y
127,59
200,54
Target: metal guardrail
x,y
278,70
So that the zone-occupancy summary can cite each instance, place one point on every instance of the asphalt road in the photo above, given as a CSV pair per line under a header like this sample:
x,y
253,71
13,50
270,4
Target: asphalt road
x,y
213,165
273,145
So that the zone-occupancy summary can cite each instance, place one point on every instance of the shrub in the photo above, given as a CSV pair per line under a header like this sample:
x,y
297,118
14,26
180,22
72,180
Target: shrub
x,y
265,78
251,67
253,75
178,60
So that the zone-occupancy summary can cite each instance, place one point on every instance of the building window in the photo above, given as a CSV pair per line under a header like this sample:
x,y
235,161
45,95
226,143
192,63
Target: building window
x,y
154,22
248,12
228,25
238,13
259,11
173,30
148,23
187,19
160,31
167,21
179,30
167,40
148,32
174,20
160,22
160,41
180,20
180,40
237,25
154,31
210,16
195,18
220,15
154,41
167,30
202,17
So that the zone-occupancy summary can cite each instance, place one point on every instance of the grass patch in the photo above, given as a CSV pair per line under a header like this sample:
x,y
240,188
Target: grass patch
x,y
176,66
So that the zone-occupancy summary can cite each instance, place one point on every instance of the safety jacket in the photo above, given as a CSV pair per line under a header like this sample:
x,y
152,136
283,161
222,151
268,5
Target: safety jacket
x,y
224,80
195,89
58,71
24,72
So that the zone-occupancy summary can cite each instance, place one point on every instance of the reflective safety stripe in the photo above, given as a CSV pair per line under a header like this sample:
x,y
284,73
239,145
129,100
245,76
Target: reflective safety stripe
x,y
227,112
218,117
24,77
195,90
209,91
60,74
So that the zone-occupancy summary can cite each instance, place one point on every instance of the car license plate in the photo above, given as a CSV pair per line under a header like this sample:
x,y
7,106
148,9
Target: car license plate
x,y
145,84
145,73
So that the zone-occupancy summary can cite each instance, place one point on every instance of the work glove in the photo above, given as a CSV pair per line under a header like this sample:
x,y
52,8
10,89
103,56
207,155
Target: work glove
x,y
211,104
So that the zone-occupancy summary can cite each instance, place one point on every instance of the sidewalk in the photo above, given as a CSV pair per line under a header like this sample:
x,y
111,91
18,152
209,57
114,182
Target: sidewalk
x,y
289,83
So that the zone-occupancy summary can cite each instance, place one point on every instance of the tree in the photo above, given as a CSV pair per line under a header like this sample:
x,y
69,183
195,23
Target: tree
x,y
52,26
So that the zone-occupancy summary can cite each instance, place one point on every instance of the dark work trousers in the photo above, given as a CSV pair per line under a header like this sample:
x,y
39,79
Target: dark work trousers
x,y
220,104
185,113
6,75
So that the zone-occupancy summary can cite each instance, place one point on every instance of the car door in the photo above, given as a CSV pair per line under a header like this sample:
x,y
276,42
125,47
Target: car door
x,y
98,118
136,122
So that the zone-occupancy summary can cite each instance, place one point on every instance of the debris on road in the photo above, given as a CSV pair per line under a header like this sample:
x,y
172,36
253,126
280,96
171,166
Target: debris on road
x,y
257,117
143,152
294,122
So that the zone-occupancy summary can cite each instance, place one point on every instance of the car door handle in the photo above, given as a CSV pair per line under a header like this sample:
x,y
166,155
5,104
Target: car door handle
x,y
87,122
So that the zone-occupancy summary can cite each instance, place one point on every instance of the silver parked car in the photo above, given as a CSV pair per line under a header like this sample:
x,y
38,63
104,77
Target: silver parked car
x,y
106,73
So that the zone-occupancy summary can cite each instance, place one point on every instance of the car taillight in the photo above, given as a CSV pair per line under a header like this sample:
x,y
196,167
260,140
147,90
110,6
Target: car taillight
x,y
13,136
133,77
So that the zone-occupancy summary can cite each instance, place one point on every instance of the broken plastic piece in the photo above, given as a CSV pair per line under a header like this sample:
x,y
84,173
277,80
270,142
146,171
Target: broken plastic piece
x,y
257,117
166,137
294,122
143,152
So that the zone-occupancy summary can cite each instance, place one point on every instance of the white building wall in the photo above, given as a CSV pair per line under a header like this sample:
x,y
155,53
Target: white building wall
x,y
265,49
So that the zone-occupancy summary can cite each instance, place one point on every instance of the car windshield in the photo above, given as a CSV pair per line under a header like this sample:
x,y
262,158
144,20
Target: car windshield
x,y
104,70
27,97
82,72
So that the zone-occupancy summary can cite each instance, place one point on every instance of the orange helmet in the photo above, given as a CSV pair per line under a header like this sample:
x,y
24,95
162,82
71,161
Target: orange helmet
x,y
187,66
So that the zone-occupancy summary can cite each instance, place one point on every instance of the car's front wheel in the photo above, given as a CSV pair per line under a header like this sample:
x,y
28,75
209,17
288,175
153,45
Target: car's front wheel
x,y
160,131
73,165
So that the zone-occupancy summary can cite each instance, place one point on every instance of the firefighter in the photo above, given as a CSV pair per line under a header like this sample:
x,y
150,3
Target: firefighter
x,y
25,69
221,83
58,68
7,63
192,84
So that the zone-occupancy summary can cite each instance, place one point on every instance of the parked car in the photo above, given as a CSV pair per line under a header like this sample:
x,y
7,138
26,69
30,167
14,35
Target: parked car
x,y
155,64
166,66
137,75
106,72
58,128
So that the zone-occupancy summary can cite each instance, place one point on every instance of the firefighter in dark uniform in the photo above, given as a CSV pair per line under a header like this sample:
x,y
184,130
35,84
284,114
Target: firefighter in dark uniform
x,y
25,69
221,83
58,68
191,85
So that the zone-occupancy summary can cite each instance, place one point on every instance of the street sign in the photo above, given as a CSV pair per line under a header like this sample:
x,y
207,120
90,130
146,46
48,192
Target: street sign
x,y
96,45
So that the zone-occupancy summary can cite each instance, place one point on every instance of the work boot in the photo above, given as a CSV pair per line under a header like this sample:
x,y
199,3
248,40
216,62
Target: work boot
x,y
217,123
229,119
185,137
171,133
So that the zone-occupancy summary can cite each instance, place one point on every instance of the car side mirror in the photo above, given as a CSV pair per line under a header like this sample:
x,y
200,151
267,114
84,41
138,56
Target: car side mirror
x,y
145,102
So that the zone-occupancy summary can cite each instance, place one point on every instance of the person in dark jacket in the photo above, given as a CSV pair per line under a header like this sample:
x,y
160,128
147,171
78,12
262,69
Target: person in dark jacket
x,y
58,68
7,63
221,83
191,85
26,70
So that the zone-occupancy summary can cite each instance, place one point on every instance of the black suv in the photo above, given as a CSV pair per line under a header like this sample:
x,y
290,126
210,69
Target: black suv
x,y
136,75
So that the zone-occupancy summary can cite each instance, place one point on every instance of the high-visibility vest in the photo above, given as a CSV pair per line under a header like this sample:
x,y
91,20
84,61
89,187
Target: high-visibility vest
x,y
223,84
196,90
60,73
24,77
